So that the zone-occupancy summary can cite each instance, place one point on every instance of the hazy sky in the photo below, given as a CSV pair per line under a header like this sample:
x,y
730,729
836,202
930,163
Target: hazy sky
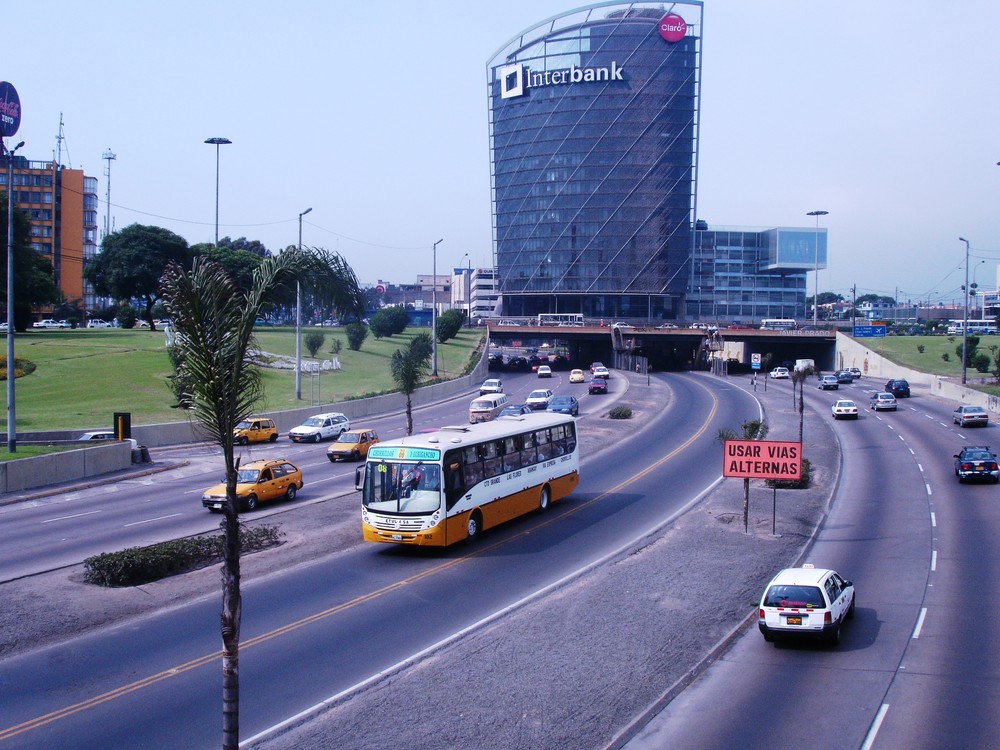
x,y
374,114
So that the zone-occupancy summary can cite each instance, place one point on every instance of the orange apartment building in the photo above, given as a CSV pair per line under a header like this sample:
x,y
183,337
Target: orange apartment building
x,y
62,204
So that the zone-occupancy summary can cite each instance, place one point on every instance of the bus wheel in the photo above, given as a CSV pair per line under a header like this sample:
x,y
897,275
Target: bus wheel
x,y
543,501
473,526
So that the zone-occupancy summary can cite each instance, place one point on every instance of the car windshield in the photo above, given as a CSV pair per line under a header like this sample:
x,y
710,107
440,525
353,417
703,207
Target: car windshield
x,y
537,394
559,400
313,422
244,425
808,597
976,454
348,437
247,476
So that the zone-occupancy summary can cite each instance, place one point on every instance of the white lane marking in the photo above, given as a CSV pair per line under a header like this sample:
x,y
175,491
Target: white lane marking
x,y
876,725
933,561
920,623
75,515
151,520
928,489
933,519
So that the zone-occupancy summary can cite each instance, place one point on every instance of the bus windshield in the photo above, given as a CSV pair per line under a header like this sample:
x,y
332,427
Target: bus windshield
x,y
402,487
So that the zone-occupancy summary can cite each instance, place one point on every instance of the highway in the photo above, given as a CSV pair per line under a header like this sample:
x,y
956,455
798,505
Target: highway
x,y
919,666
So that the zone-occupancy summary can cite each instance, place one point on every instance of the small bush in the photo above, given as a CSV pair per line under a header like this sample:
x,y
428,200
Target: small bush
x,y
137,565
314,342
793,484
921,348
946,357
621,412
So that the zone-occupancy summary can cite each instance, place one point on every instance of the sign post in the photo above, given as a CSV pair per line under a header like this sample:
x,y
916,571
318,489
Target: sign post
x,y
10,121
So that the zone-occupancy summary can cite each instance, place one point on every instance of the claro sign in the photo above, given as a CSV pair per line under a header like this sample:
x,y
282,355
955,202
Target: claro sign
x,y
516,79
673,27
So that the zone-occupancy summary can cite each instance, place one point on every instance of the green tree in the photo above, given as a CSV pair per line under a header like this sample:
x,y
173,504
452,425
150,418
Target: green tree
x,y
389,321
449,324
131,262
240,264
214,322
409,368
34,283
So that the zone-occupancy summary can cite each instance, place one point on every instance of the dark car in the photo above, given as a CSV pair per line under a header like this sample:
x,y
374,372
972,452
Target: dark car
x,y
515,410
598,385
518,364
898,387
845,376
564,405
977,462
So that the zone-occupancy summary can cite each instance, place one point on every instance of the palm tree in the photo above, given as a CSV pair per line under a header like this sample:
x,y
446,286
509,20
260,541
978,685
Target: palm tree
x,y
409,368
213,323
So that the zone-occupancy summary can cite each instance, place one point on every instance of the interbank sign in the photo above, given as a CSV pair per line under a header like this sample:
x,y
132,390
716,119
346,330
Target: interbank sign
x,y
516,79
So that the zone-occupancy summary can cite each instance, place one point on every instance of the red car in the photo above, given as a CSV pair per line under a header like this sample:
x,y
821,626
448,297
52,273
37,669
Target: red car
x,y
598,385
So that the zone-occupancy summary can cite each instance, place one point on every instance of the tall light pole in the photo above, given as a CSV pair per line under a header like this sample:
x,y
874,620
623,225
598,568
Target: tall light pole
x,y
817,214
11,424
965,322
217,142
434,304
298,321
468,290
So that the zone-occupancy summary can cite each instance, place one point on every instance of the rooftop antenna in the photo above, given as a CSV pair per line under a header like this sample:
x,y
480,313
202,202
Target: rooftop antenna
x,y
108,156
59,141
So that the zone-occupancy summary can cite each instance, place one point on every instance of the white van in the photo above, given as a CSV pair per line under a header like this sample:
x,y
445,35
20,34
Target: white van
x,y
485,408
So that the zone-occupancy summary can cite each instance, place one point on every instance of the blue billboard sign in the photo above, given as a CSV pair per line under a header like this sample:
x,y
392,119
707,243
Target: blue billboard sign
x,y
869,332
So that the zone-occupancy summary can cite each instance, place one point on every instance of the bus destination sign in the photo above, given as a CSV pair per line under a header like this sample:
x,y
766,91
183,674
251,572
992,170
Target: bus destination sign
x,y
403,453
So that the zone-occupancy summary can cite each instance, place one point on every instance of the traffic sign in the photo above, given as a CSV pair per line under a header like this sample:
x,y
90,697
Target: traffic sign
x,y
755,361
869,332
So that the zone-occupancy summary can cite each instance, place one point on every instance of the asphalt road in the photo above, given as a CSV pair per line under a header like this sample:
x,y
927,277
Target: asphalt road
x,y
333,624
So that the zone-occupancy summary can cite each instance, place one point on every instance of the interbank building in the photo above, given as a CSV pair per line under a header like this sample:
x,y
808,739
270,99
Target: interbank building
x,y
594,121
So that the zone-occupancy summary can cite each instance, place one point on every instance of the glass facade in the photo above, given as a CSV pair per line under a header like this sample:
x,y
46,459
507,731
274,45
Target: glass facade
x,y
740,275
593,140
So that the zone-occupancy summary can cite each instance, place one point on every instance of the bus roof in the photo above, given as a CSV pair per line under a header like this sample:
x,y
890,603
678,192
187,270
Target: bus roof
x,y
454,436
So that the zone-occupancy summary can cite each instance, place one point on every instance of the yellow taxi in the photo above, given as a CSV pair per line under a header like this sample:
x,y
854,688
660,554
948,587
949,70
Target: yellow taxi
x,y
256,482
353,445
255,430
576,376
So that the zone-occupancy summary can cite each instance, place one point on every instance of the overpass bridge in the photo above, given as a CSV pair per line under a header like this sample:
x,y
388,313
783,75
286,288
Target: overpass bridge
x,y
671,348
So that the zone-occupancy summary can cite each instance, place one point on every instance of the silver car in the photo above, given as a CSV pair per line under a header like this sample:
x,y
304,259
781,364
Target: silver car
x,y
882,402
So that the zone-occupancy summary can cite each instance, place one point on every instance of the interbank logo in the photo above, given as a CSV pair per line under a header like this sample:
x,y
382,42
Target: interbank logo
x,y
516,79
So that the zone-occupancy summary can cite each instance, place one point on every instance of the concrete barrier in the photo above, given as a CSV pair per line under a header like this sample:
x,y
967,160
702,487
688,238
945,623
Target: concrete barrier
x,y
66,466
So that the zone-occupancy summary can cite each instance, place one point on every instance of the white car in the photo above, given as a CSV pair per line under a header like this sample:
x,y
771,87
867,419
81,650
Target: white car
x,y
539,399
806,602
98,323
49,323
319,427
844,408
779,373
602,372
544,371
492,385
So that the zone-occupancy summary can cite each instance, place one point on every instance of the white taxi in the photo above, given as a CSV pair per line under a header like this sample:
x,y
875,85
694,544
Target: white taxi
x,y
844,408
806,602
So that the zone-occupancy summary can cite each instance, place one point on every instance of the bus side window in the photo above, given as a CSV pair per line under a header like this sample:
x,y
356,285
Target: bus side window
x,y
542,442
492,455
558,441
473,466
570,438
511,455
528,452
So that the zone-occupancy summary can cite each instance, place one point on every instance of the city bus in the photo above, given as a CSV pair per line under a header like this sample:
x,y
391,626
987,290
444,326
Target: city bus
x,y
976,327
560,319
778,324
446,486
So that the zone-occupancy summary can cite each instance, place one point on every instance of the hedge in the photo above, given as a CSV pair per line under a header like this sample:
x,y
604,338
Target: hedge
x,y
137,565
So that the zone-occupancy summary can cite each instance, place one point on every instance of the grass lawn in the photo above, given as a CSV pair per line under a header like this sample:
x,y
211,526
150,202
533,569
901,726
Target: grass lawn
x,y
906,351
83,376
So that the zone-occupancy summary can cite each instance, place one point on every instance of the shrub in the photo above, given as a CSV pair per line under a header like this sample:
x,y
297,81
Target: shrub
x,y
138,565
336,345
621,412
946,357
793,484
356,335
314,342
920,348
981,361
126,315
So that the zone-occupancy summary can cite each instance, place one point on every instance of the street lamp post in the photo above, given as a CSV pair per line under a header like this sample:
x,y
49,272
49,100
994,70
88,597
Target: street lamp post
x,y
217,142
817,214
468,289
965,321
11,424
434,304
298,322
